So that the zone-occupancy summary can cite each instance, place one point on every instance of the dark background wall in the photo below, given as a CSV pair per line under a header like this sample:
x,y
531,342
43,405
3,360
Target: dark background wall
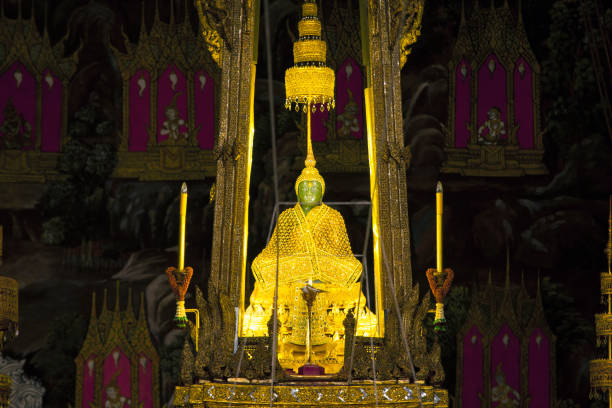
x,y
64,240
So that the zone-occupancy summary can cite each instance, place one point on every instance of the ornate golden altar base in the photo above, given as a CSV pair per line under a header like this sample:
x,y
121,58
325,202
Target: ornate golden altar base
x,y
304,394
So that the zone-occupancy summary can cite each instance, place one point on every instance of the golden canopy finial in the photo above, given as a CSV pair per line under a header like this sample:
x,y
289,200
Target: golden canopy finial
x,y
309,81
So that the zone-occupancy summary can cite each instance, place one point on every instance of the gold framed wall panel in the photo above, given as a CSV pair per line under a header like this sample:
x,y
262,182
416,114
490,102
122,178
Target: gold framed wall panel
x,y
20,37
167,164
163,45
113,329
485,32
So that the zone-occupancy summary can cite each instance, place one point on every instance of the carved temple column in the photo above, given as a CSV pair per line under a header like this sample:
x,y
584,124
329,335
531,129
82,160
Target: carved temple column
x,y
384,54
234,148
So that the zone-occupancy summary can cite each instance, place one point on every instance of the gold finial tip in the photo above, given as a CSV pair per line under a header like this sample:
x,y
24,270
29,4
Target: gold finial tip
x,y
439,187
184,188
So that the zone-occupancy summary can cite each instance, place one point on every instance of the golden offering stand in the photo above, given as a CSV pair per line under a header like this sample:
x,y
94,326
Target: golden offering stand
x,y
222,365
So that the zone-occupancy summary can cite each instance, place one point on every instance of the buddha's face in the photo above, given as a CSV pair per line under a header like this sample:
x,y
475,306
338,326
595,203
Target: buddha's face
x,y
310,193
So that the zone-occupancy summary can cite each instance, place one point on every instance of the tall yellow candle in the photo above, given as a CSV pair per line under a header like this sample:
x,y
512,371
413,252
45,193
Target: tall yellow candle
x,y
439,211
183,212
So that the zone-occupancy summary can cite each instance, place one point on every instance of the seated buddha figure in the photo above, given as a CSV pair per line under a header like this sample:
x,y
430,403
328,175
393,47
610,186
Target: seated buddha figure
x,y
309,246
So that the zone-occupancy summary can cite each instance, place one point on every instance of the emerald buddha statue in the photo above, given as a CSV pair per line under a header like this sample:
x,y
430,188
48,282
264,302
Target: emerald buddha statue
x,y
309,246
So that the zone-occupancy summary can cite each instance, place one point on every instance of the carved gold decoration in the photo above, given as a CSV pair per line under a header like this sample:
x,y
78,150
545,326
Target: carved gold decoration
x,y
310,83
20,37
165,44
310,28
383,77
9,309
236,128
606,283
359,395
5,390
108,331
227,151
496,31
400,154
214,23
311,50
600,374
603,325
411,12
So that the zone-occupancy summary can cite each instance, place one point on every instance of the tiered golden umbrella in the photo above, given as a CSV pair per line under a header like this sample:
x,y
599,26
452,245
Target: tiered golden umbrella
x,y
600,370
309,84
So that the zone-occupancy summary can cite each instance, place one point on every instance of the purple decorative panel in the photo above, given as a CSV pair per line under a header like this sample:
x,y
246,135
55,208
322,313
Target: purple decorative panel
x,y
116,386
51,112
171,105
539,369
145,381
89,381
523,104
473,353
318,124
463,103
140,111
204,99
505,368
492,90
349,100
17,108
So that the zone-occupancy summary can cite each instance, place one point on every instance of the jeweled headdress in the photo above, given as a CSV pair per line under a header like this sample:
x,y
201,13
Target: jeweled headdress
x,y
309,82
310,172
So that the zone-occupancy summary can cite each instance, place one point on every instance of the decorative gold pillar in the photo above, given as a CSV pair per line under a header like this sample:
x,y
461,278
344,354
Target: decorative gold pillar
x,y
386,46
234,149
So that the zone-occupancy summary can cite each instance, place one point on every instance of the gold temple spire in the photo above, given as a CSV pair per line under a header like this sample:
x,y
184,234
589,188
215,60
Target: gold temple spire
x,y
141,310
143,26
507,283
93,314
105,300
172,12
117,296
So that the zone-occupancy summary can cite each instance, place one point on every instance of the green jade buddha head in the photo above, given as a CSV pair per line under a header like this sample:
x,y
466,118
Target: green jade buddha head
x,y
310,194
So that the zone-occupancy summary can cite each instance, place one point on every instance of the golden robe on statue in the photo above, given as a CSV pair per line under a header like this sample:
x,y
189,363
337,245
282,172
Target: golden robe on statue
x,y
312,248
